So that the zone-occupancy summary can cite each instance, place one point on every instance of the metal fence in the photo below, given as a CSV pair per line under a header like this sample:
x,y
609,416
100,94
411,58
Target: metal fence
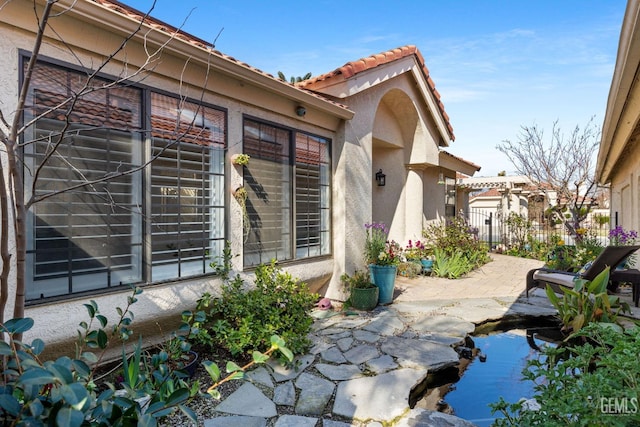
x,y
495,231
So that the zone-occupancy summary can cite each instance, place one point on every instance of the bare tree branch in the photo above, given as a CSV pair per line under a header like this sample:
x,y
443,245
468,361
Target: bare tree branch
x,y
564,165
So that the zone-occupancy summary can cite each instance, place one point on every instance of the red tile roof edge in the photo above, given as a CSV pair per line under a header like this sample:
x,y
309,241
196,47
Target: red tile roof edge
x,y
477,167
158,25
363,64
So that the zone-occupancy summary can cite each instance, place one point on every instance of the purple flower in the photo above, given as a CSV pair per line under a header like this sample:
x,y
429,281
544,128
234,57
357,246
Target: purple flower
x,y
620,237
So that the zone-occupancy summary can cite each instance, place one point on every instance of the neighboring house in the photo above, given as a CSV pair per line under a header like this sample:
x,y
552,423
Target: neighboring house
x,y
619,156
499,195
311,183
496,198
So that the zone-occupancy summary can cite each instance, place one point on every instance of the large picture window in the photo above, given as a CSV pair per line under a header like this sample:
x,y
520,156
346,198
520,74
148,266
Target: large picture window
x,y
99,222
288,187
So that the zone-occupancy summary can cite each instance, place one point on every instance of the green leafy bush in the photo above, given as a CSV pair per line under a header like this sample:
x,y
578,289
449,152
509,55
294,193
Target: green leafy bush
x,y
244,320
451,266
587,302
583,384
457,249
520,231
64,392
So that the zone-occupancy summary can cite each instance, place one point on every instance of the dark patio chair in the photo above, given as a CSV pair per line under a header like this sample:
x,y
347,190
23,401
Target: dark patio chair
x,y
611,256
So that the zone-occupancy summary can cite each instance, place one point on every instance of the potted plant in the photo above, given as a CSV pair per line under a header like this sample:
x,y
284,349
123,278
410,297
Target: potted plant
x,y
383,257
180,356
421,254
363,295
240,159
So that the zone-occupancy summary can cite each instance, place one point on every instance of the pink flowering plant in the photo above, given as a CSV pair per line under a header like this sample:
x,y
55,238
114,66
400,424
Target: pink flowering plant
x,y
417,250
378,249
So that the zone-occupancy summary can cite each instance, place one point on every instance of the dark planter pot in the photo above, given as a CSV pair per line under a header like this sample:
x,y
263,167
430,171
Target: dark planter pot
x,y
364,298
191,365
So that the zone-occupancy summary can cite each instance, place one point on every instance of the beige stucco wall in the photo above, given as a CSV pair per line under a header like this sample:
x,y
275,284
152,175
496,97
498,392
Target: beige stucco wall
x,y
160,303
393,130
625,193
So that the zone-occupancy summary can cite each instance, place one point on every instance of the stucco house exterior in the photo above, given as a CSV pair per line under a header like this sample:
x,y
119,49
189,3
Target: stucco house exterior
x,y
618,163
174,126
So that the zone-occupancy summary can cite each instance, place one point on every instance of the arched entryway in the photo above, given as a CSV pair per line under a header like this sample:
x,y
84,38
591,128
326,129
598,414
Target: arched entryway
x,y
396,139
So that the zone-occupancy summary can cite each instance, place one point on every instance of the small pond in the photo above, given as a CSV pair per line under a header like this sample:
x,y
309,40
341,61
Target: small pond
x,y
492,368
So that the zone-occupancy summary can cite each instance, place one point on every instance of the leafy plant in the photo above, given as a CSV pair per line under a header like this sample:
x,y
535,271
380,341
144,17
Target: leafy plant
x,y
457,244
240,159
561,257
587,302
378,249
580,385
237,372
359,279
417,250
244,320
520,229
222,266
451,266
63,391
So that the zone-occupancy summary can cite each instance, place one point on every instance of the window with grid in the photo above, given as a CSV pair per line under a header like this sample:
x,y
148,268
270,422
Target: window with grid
x,y
89,237
187,181
312,193
288,188
124,229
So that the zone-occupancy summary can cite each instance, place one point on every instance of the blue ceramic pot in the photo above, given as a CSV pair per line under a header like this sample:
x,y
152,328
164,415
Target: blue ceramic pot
x,y
384,277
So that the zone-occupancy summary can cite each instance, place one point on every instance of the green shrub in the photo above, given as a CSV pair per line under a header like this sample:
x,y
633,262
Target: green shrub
x,y
587,302
457,245
581,384
64,392
244,320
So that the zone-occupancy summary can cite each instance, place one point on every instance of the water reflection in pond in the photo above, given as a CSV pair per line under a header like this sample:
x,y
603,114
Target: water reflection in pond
x,y
484,379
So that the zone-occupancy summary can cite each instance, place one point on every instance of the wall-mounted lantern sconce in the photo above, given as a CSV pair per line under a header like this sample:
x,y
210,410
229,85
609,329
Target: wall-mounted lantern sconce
x,y
381,178
301,111
440,179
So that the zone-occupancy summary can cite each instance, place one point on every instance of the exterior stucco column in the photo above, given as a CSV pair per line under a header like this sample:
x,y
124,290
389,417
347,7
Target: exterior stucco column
x,y
414,202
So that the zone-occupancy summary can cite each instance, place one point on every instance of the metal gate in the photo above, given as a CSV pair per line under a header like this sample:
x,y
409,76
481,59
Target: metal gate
x,y
486,223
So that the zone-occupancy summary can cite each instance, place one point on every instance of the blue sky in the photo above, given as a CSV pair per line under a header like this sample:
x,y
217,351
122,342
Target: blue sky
x,y
498,65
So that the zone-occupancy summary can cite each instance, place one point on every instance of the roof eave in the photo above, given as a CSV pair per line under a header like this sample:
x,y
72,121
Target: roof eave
x,y
197,49
623,104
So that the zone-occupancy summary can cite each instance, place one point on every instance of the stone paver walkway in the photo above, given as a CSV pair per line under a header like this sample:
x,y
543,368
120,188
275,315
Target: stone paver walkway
x,y
363,366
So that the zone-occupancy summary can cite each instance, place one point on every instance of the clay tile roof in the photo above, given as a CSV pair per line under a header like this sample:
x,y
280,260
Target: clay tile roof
x,y
473,165
158,25
491,192
363,64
